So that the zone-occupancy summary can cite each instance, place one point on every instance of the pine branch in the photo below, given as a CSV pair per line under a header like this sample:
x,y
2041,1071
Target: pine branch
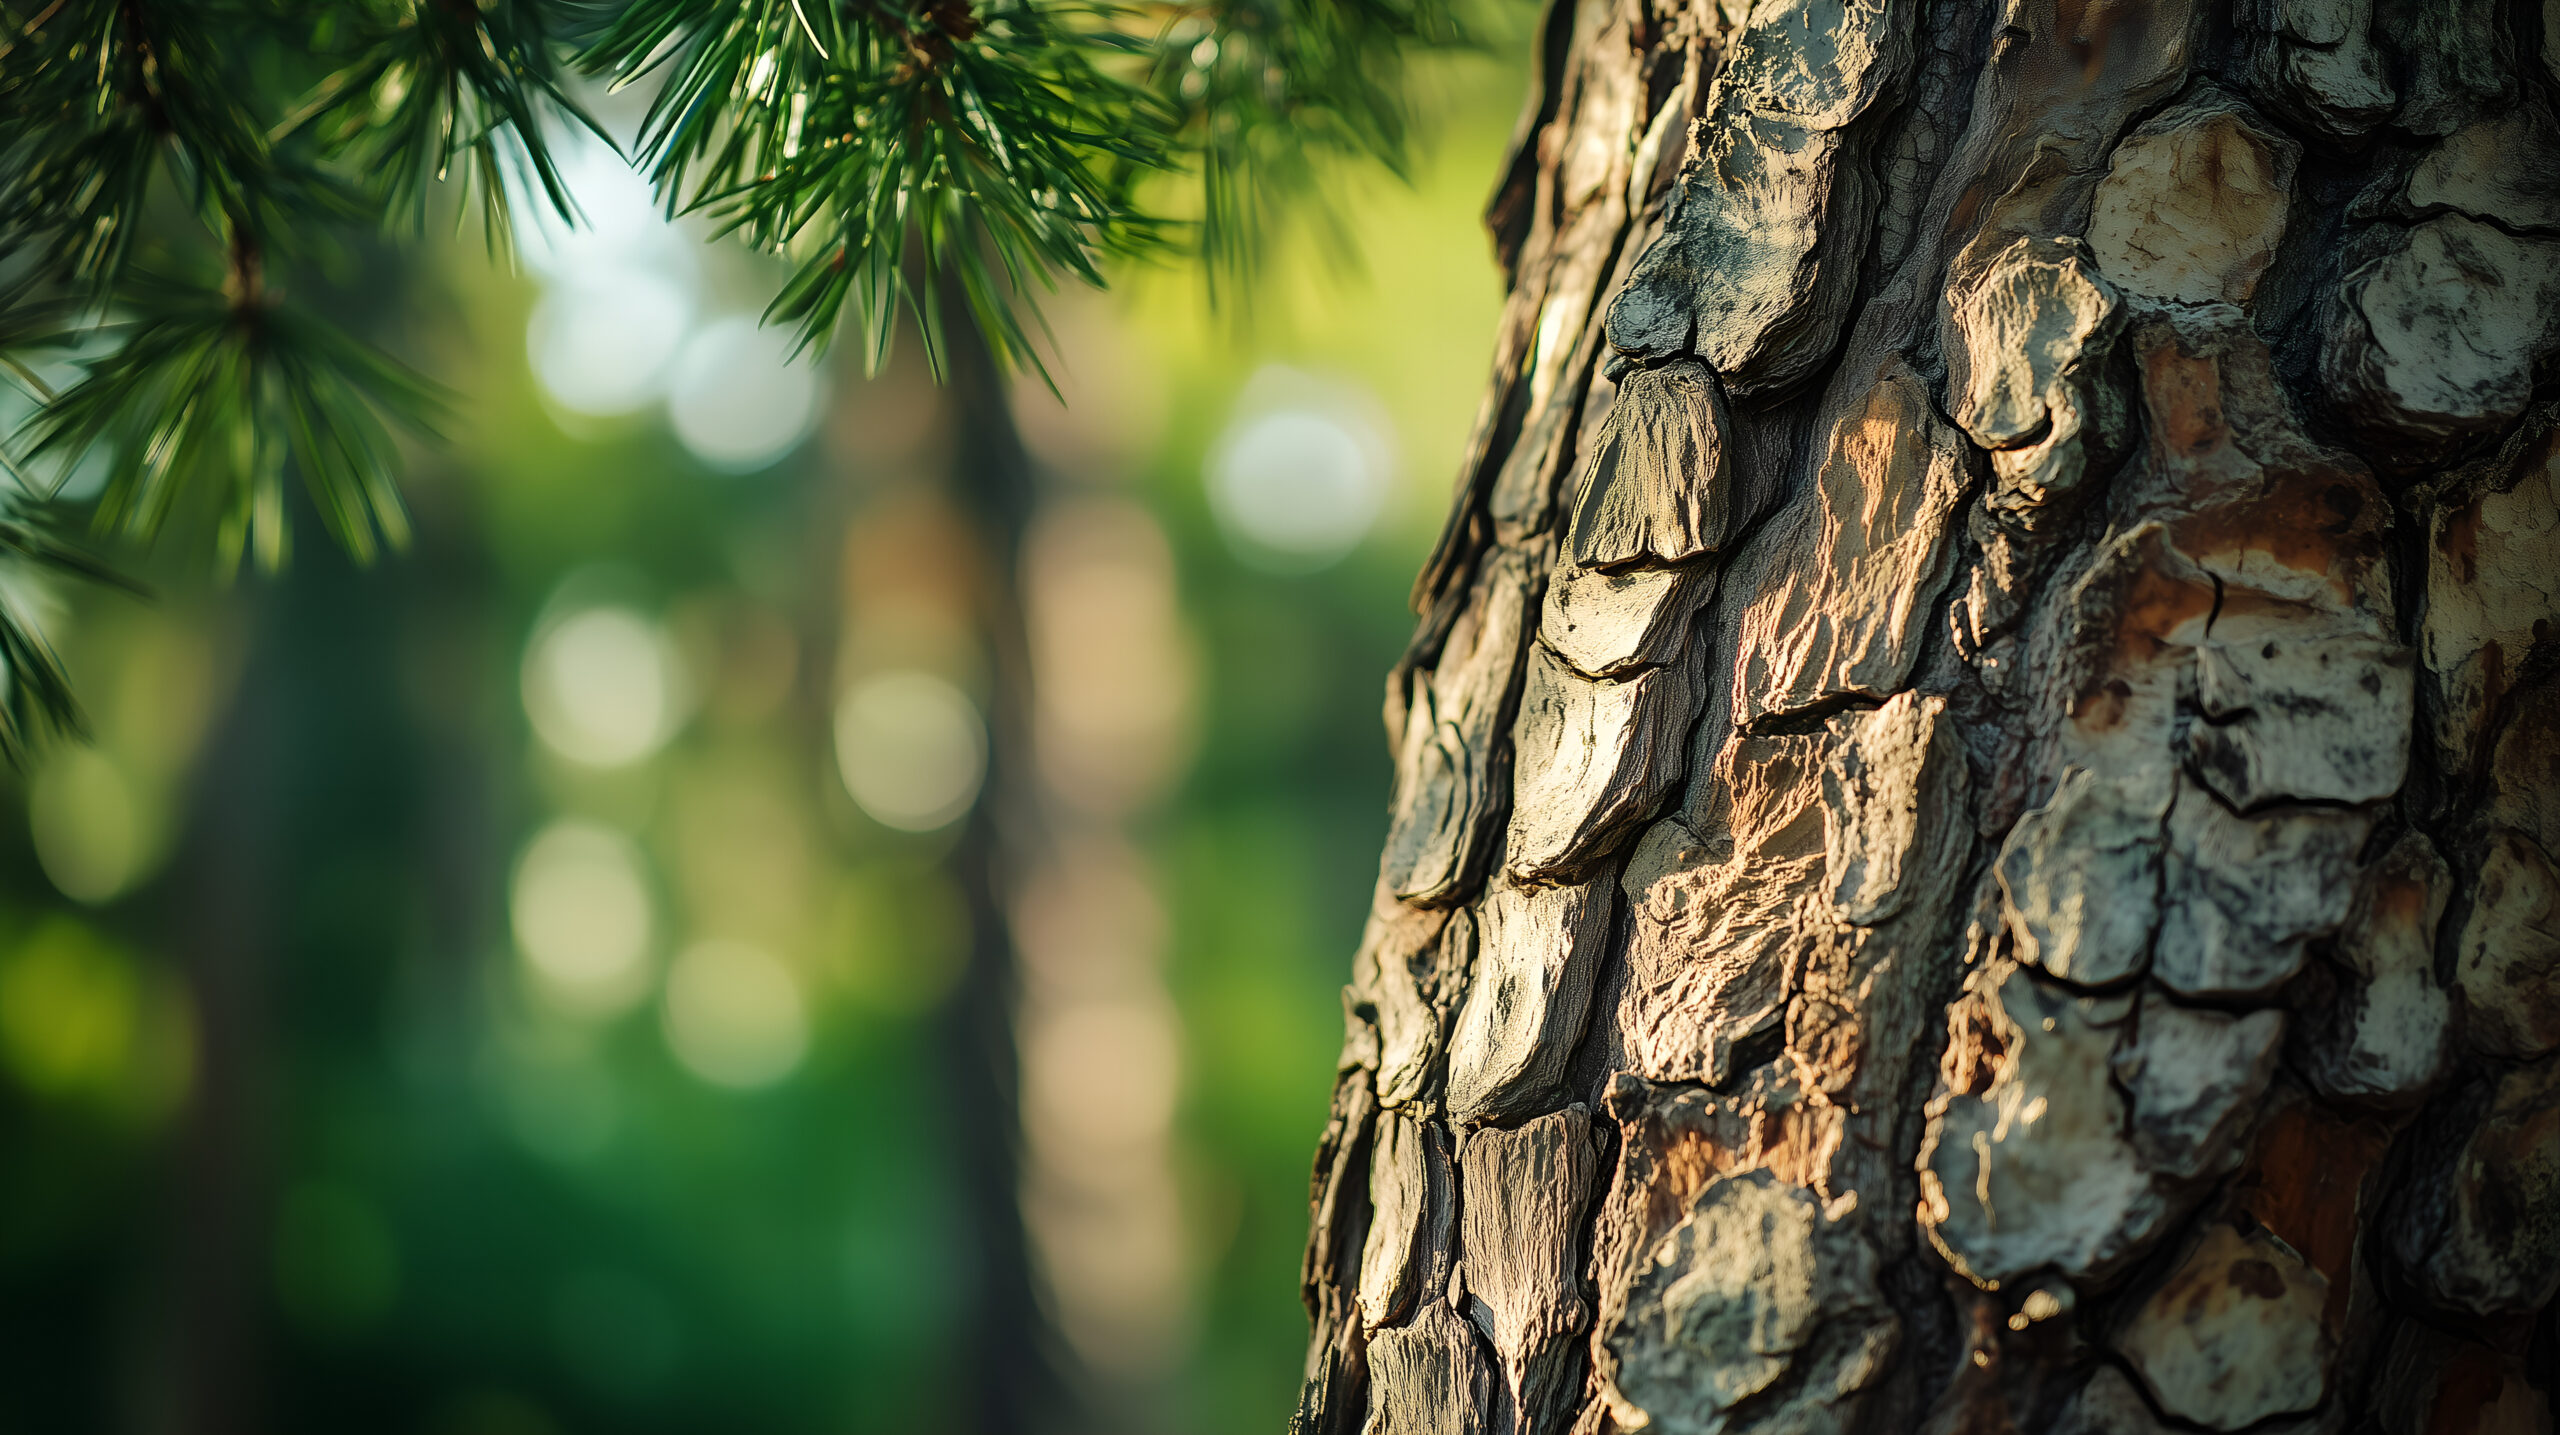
x,y
212,395
111,96
423,86
35,692
1267,88
883,143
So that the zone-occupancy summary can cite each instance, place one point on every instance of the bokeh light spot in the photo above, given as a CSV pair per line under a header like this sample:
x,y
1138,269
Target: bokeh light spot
x,y
606,342
619,283
1102,1077
911,749
68,1010
734,1015
737,400
620,223
581,913
1301,474
88,826
600,687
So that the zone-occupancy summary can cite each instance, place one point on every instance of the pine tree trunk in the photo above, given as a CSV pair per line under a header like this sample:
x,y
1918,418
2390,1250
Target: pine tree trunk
x,y
1016,1386
1979,779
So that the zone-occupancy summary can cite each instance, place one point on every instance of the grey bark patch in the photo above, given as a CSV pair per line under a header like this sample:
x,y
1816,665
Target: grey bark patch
x,y
2387,1034
1854,569
2025,1163
1659,487
1429,1378
1757,1312
2109,1405
1609,625
2058,90
2493,583
2080,876
1758,259
1334,1390
1671,1142
2479,1227
2242,897
2316,61
2234,1335
2521,793
1409,1039
1714,917
2194,203
1868,984
2508,957
1524,1191
2456,56
1893,810
1530,997
1413,1206
1337,1210
1454,751
2195,1077
1401,952
1523,495
2502,167
2027,343
1591,760
2435,341
2299,715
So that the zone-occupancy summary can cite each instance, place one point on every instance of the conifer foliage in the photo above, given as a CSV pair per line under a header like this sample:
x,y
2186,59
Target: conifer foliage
x,y
186,186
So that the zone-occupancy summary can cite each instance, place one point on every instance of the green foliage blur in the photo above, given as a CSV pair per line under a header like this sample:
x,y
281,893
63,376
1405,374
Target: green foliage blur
x,y
390,1043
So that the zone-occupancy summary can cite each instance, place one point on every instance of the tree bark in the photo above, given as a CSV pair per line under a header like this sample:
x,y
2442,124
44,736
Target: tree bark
x,y
1978,783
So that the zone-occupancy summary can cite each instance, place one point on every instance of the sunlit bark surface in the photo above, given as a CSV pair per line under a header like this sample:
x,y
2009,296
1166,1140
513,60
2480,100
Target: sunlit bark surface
x,y
1979,778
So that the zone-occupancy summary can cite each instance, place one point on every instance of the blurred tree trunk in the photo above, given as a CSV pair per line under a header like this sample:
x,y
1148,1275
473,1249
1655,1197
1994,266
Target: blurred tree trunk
x,y
1979,779
215,1344
1017,1385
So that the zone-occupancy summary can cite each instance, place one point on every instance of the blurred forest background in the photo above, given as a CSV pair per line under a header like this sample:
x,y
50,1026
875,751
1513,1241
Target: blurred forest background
x,y
522,988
